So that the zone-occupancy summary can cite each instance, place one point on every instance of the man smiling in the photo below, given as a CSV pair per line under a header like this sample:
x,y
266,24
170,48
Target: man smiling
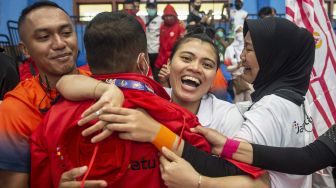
x,y
47,36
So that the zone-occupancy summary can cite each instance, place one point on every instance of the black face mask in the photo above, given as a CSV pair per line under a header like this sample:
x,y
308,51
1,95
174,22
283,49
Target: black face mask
x,y
238,6
197,7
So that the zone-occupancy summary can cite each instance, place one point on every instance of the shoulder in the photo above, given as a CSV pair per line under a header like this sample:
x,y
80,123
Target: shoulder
x,y
220,115
274,102
158,20
25,91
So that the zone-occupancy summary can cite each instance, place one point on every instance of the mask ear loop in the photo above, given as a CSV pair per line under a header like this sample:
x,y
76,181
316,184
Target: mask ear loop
x,y
145,62
147,66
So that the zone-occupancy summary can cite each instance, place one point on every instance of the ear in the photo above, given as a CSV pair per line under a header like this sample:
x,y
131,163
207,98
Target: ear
x,y
143,65
23,49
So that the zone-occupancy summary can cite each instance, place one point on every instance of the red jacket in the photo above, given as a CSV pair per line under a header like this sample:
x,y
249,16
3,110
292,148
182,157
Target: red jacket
x,y
57,145
169,34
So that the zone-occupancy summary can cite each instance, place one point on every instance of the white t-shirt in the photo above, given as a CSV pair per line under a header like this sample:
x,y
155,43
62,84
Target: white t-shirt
x,y
275,121
238,16
153,34
218,114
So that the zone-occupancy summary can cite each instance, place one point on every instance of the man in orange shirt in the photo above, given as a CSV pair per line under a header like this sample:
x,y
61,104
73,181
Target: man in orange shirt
x,y
47,36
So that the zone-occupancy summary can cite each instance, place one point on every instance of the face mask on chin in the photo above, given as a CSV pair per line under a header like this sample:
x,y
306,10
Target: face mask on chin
x,y
220,34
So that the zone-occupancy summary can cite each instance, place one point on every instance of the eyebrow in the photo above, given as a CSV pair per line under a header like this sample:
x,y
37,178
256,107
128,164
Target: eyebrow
x,y
67,25
208,59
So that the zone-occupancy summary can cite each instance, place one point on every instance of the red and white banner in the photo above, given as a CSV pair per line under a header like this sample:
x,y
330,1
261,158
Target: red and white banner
x,y
322,90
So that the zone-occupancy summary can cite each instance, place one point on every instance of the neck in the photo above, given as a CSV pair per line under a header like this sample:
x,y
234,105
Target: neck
x,y
191,106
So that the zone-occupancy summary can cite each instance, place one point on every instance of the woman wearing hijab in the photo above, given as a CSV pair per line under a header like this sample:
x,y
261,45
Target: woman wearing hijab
x,y
277,58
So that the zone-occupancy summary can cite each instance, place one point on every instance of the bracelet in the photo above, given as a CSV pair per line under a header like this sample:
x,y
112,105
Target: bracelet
x,y
165,137
229,148
199,181
95,88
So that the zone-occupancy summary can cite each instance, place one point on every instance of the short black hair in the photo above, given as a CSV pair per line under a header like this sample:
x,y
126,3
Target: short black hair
x,y
129,2
113,41
265,11
34,6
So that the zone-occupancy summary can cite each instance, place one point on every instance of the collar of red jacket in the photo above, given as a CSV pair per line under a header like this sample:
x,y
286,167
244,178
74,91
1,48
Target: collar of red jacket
x,y
157,88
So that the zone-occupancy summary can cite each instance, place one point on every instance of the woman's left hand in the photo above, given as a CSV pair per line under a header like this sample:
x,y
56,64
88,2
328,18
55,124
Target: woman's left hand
x,y
177,172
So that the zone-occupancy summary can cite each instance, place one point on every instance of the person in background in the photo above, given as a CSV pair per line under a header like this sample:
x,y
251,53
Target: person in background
x,y
47,36
222,87
170,31
265,12
136,6
153,22
130,8
197,17
9,76
238,14
242,89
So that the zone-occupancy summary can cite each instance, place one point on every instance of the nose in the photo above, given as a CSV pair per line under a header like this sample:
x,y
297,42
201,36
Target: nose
x,y
195,66
58,43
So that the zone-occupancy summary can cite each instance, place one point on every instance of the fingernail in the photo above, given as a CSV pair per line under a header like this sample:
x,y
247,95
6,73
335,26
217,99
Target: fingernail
x,y
103,184
83,169
93,140
163,148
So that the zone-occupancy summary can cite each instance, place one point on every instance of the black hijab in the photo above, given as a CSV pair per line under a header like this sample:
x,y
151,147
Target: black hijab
x,y
285,54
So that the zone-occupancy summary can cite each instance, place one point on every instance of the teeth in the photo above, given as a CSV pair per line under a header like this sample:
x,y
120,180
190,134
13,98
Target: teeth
x,y
197,81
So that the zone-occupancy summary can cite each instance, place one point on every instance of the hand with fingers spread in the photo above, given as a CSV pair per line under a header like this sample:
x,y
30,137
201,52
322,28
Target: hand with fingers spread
x,y
164,76
132,124
216,139
176,172
109,98
68,179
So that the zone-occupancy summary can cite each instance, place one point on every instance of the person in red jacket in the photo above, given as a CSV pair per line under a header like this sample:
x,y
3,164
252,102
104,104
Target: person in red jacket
x,y
131,8
117,53
170,31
